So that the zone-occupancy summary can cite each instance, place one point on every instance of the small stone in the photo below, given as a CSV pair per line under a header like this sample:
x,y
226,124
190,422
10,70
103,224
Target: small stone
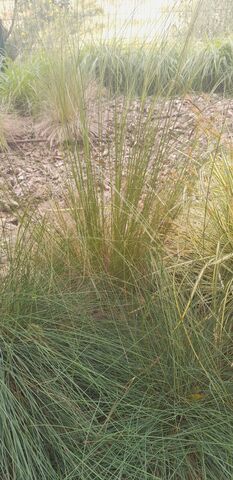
x,y
4,207
13,203
13,221
8,206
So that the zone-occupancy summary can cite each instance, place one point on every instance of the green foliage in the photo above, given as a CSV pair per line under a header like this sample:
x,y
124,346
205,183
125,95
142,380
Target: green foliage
x,y
132,70
39,21
116,351
210,238
164,69
110,383
209,67
207,18
17,85
150,67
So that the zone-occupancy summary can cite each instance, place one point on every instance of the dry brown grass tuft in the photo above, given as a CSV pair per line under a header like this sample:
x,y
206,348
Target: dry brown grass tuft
x,y
72,117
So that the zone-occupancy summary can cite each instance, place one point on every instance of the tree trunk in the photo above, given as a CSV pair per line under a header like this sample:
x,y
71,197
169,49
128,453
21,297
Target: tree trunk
x,y
2,40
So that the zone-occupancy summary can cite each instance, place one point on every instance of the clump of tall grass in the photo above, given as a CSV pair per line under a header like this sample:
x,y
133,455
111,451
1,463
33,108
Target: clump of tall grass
x,y
110,383
17,84
158,69
113,362
137,70
50,87
209,238
64,92
117,212
209,67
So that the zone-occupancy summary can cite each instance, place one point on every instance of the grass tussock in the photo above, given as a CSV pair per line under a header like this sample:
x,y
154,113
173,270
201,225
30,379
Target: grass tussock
x,y
115,313
72,101
120,369
112,382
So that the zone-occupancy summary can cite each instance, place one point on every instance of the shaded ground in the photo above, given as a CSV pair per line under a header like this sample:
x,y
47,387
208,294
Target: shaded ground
x,y
32,172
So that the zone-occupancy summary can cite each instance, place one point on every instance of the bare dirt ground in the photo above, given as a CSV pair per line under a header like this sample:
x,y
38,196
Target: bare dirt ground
x,y
32,171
